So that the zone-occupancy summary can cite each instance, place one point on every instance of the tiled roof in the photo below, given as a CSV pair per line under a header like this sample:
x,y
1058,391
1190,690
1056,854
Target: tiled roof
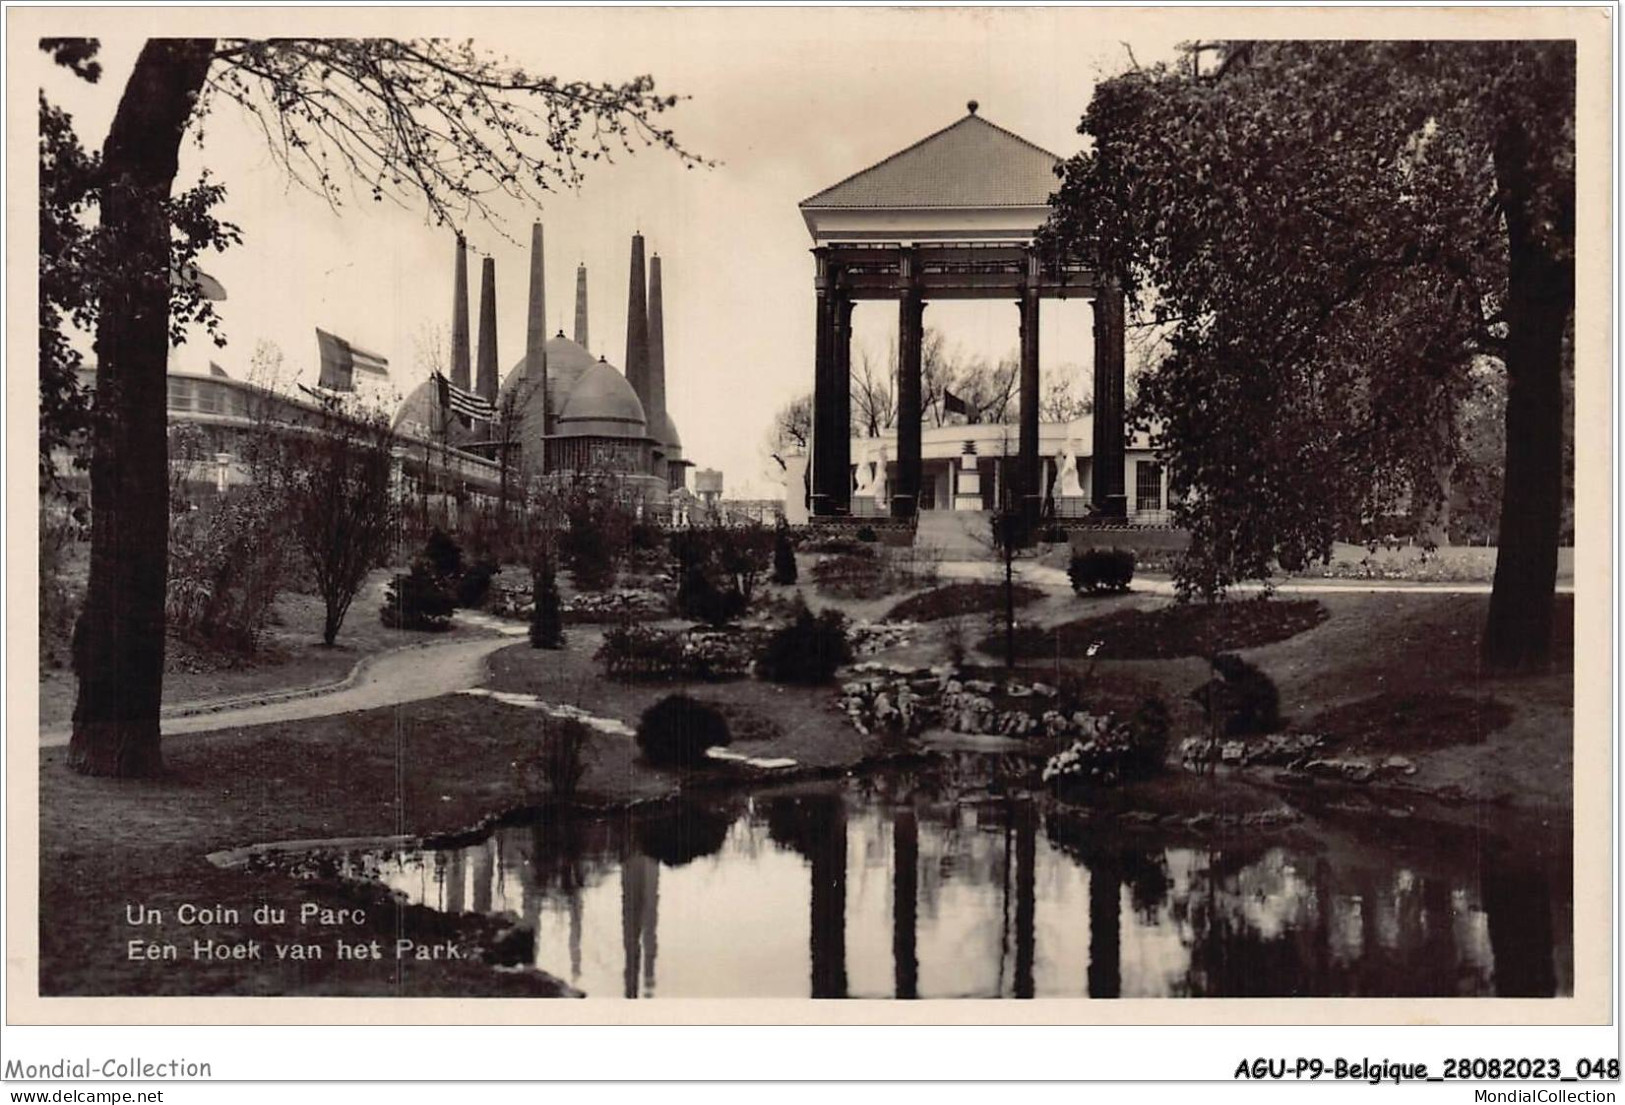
x,y
971,163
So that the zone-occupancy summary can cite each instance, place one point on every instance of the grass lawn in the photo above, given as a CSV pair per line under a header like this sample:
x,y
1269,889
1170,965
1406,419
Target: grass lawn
x,y
292,655
441,766
1393,669
1167,632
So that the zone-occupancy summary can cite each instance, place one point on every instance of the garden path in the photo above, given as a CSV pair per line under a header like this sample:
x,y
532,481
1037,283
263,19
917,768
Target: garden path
x,y
1042,575
408,674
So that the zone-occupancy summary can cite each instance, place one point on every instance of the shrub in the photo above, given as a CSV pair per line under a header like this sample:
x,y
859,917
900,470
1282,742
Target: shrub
x,y
227,563
546,615
700,596
1242,700
444,555
645,536
475,584
562,760
676,731
418,600
1095,570
867,533
1053,534
596,538
744,554
784,557
808,650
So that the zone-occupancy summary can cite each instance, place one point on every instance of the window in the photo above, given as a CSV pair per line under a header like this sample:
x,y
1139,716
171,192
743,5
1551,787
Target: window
x,y
1147,485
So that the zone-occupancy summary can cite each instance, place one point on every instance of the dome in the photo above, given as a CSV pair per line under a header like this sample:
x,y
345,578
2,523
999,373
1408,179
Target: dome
x,y
602,404
566,361
419,416
665,432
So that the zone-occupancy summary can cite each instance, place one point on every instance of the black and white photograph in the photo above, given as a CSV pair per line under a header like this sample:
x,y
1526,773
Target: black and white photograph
x,y
1101,508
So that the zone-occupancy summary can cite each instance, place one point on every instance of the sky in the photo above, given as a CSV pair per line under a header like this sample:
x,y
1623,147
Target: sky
x,y
785,101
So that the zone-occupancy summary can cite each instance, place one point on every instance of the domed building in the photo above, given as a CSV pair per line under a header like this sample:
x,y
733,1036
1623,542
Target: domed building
x,y
561,409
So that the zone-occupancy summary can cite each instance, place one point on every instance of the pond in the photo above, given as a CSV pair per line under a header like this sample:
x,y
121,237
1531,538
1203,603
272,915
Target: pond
x,y
898,886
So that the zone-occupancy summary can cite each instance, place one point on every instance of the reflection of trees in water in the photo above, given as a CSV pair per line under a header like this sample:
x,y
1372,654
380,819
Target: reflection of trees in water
x,y
905,903
1111,866
682,832
640,920
1518,900
814,825
1273,923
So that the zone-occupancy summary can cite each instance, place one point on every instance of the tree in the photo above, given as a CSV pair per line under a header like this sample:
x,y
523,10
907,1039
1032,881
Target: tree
x,y
67,180
336,477
874,394
430,120
1332,233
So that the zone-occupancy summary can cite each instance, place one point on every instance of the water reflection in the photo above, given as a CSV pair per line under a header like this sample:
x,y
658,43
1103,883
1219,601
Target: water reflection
x,y
910,887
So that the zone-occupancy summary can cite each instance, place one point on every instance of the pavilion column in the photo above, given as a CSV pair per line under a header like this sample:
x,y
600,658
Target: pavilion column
x,y
910,345
841,384
1108,490
831,430
1028,487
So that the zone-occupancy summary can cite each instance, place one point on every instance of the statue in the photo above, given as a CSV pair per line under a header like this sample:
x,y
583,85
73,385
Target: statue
x,y
1067,484
866,474
879,482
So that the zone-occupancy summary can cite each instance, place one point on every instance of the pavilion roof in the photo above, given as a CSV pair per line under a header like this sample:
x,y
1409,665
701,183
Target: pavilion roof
x,y
970,163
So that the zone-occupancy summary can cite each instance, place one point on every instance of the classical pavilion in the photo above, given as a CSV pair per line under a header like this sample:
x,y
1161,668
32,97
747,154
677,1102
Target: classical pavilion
x,y
955,216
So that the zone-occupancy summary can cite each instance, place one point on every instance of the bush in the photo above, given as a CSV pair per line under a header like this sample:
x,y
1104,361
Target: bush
x,y
1095,570
596,538
1054,535
418,600
475,584
867,533
808,650
227,563
1242,700
563,757
676,731
784,557
444,555
699,596
546,614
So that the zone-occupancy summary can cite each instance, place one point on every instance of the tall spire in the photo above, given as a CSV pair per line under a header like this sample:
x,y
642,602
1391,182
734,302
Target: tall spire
x,y
536,327
459,318
637,326
488,330
581,306
657,351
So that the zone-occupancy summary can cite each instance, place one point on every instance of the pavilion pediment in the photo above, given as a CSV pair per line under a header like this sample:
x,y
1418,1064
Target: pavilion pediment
x,y
971,164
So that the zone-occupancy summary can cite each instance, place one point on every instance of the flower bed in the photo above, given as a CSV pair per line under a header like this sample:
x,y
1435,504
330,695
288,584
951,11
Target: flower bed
x,y
880,699
644,652
624,604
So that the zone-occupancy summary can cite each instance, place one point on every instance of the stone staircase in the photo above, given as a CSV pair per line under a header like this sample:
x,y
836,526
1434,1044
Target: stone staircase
x,y
956,534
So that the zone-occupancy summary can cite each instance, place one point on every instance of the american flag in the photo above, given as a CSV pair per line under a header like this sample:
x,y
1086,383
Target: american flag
x,y
464,403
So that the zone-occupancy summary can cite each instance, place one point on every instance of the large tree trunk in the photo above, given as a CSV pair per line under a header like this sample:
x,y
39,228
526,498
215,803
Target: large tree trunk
x,y
1540,297
119,641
